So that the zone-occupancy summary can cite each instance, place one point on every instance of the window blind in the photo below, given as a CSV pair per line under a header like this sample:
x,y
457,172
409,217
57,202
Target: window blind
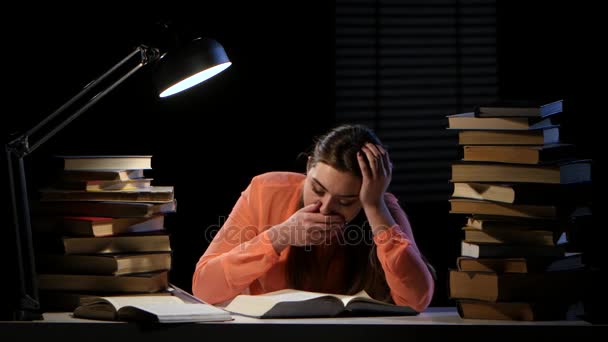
x,y
401,66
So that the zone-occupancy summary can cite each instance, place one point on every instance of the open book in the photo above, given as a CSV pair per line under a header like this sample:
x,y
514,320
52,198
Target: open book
x,y
163,309
294,303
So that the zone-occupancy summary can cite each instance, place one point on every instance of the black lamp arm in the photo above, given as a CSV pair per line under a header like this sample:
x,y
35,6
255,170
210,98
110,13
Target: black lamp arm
x,y
28,302
22,144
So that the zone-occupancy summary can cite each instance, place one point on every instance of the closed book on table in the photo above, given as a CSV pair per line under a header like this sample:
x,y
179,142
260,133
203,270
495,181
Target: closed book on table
x,y
470,121
510,287
571,172
519,108
519,154
136,283
506,236
469,206
543,136
108,244
523,193
153,194
554,310
493,250
109,162
100,175
483,222
522,264
98,226
104,209
105,185
116,264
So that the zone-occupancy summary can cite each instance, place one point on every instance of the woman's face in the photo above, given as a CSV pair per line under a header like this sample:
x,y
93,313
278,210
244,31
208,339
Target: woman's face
x,y
338,191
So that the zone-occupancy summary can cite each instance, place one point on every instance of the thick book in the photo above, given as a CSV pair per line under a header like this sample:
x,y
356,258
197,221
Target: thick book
x,y
493,250
291,303
523,237
468,121
114,264
542,136
571,261
152,194
564,173
554,310
134,283
534,155
103,209
505,287
523,193
104,185
519,108
100,175
98,226
160,309
109,162
471,206
136,243
484,222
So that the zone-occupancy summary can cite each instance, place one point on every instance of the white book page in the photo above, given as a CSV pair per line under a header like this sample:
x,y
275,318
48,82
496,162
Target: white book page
x,y
119,302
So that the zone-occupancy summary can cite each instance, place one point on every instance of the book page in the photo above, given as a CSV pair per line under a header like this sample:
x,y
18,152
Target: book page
x,y
257,305
120,301
177,312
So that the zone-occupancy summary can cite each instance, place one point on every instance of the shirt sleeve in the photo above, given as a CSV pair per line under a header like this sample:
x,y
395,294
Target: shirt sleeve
x,y
238,254
406,272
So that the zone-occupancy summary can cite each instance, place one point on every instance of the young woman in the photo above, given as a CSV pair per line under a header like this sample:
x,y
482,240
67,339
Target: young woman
x,y
334,229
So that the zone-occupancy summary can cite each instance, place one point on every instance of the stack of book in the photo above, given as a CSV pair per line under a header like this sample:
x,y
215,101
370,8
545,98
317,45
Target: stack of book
x,y
99,230
520,188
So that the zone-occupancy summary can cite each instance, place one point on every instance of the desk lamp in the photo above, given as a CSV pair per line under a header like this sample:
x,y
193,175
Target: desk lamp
x,y
178,70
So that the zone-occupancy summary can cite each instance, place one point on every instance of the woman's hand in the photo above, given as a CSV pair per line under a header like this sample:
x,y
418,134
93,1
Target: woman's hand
x,y
305,227
376,176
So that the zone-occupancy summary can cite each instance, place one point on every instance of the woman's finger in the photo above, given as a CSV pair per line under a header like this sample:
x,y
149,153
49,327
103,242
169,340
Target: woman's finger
x,y
371,158
365,170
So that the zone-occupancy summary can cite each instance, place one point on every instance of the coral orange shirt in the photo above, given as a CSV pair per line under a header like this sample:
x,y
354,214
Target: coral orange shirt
x,y
241,259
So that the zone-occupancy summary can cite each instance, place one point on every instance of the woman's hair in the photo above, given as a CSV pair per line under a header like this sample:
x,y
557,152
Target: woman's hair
x,y
338,148
362,270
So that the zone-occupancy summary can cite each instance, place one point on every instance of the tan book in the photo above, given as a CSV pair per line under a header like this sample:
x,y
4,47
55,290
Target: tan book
x,y
98,226
469,121
574,172
103,209
109,162
507,137
153,194
519,108
470,206
553,310
296,303
573,261
118,264
506,236
523,193
115,244
100,175
105,185
514,223
136,283
504,287
493,250
519,154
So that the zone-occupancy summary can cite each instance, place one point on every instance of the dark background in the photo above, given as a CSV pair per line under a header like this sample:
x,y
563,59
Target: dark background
x,y
265,109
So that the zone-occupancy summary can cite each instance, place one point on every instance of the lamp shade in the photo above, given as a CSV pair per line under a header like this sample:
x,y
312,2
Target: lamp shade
x,y
190,65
